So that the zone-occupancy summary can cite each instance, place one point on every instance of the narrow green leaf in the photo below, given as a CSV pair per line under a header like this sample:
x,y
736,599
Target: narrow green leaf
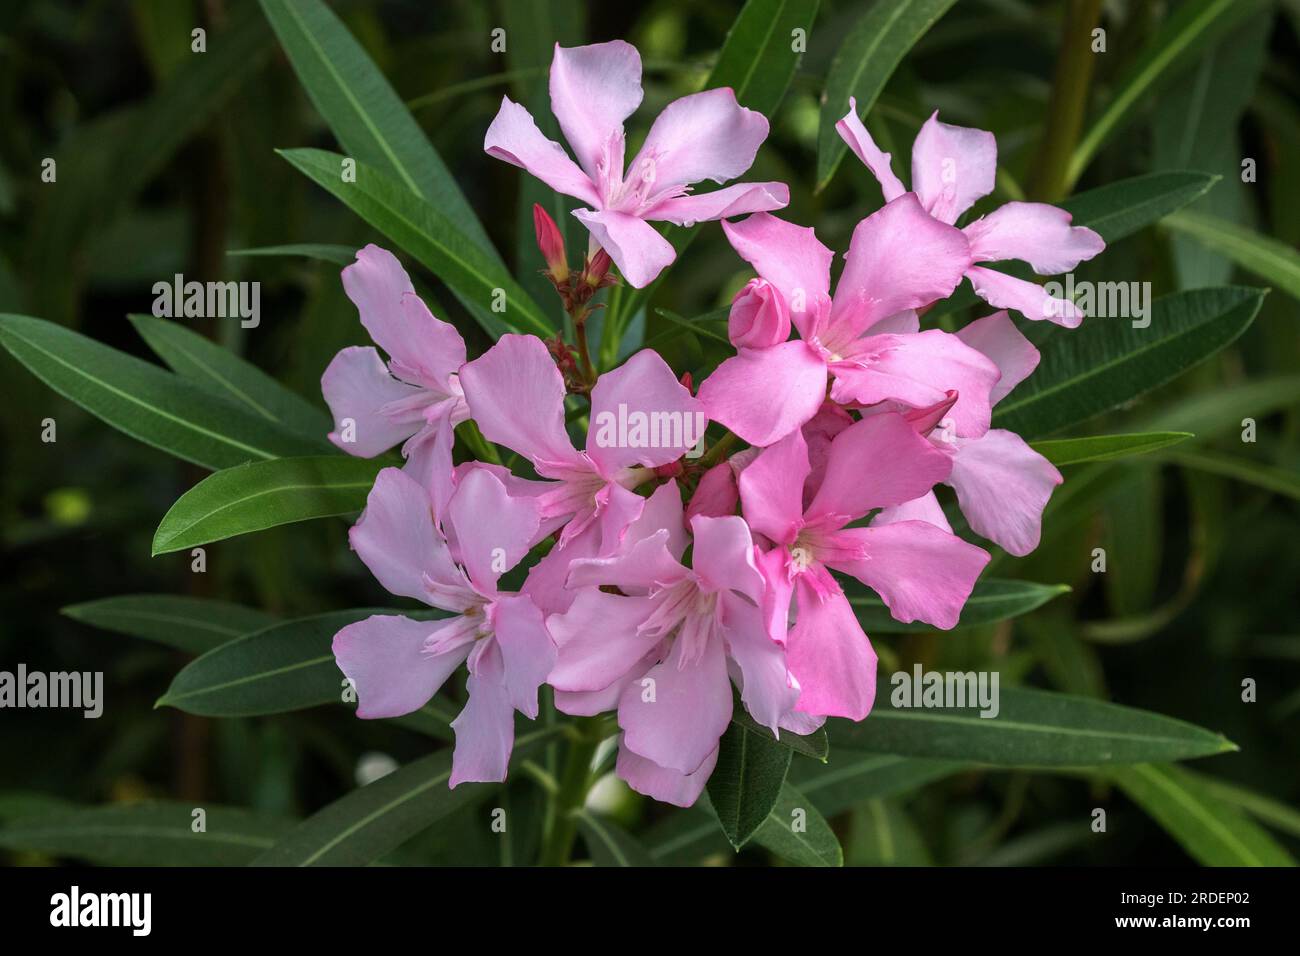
x,y
367,823
145,401
418,227
863,64
759,57
189,624
1271,260
609,844
700,324
265,494
339,255
220,371
1272,812
854,776
1282,481
1216,411
1108,362
1031,728
369,119
148,834
1121,208
811,745
992,600
796,832
746,782
1072,451
1208,828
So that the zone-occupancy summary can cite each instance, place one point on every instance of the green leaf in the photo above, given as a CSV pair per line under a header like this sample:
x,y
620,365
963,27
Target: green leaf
x,y
697,324
746,782
367,823
287,666
758,59
148,834
992,600
1122,208
1282,481
609,844
339,255
1208,828
854,776
796,832
369,119
1108,362
882,834
1215,411
811,745
264,494
1072,451
1275,814
418,227
864,62
1271,260
1194,24
145,401
220,371
1032,728
185,623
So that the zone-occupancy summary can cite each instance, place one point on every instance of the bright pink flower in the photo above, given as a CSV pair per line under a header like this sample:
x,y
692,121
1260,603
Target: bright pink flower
x,y
396,664
705,135
921,572
952,167
865,339
1002,484
416,397
662,649
641,417
758,318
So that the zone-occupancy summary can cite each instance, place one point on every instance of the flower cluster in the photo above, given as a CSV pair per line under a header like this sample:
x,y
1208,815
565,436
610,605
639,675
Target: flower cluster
x,y
651,580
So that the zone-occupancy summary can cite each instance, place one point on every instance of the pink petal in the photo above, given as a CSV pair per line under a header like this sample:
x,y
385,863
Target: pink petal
x,y
789,257
952,167
706,135
830,420
771,489
900,258
642,415
527,649
864,147
1028,298
1003,486
589,703
997,337
384,658
716,494
493,530
925,508
594,88
662,510
778,590
793,385
723,203
636,247
598,639
921,572
662,784
515,138
545,583
357,386
679,725
428,461
644,565
1033,232
485,729
877,462
767,690
828,653
723,557
516,397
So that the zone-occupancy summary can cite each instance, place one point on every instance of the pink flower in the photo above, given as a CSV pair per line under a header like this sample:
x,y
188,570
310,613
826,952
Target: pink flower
x,y
396,664
921,572
416,397
642,417
1002,484
952,167
865,338
705,135
661,650
758,318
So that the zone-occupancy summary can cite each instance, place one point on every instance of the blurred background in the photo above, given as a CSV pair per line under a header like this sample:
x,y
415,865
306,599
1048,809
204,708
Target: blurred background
x,y
166,163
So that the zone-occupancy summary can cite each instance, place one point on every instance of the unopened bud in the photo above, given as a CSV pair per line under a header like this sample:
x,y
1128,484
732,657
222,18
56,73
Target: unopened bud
x,y
759,318
551,242
597,271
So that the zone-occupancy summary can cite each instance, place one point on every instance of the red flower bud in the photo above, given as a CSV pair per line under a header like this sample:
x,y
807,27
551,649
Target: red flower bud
x,y
551,242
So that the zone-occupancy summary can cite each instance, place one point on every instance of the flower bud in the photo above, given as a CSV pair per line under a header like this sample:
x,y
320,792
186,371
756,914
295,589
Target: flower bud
x,y
551,242
759,318
597,272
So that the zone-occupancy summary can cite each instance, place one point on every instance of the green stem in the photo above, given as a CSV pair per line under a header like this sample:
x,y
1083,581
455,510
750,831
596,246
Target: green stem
x,y
718,451
575,781
1068,102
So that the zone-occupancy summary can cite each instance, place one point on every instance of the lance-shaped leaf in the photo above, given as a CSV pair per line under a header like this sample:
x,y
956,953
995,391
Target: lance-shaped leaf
x,y
1121,208
864,62
321,252
1271,260
1108,362
810,745
796,832
369,119
746,782
1029,727
145,401
264,494
1072,451
993,599
609,844
1270,477
189,624
481,283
